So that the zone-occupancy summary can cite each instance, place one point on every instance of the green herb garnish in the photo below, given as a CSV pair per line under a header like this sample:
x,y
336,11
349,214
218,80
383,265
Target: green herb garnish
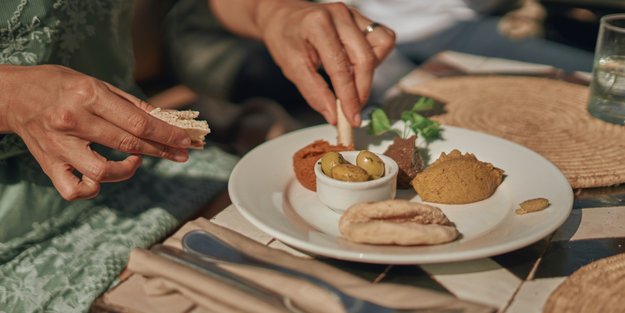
x,y
380,123
417,123
423,104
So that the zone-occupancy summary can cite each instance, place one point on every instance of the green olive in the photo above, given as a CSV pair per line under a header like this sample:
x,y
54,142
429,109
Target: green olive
x,y
371,163
330,160
349,172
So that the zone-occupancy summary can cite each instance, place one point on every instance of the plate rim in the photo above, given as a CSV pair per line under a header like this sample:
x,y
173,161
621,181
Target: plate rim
x,y
377,258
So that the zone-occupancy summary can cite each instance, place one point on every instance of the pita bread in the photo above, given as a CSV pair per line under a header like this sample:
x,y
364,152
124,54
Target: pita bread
x,y
196,129
398,222
344,131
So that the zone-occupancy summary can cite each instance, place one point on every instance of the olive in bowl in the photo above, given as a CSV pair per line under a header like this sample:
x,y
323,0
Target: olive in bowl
x,y
353,184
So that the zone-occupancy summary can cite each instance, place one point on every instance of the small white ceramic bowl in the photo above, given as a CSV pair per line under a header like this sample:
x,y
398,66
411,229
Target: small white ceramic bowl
x,y
340,195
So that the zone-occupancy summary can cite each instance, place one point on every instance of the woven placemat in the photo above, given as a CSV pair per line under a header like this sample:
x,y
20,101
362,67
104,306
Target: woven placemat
x,y
596,287
545,115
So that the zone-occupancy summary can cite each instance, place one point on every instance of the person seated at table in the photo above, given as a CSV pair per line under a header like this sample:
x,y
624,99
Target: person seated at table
x,y
509,29
226,72
84,168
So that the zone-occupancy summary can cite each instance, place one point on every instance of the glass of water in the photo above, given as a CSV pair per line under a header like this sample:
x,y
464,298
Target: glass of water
x,y
607,89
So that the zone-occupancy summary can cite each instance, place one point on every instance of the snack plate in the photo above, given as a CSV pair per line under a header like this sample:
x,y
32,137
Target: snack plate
x,y
264,189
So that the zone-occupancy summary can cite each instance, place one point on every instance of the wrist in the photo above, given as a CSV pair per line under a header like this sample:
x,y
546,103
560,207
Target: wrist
x,y
266,11
6,85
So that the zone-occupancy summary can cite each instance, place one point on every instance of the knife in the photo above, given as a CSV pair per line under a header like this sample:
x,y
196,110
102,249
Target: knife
x,y
213,249
212,270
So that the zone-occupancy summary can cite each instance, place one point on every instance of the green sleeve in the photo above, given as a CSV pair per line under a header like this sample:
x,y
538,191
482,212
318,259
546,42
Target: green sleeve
x,y
203,54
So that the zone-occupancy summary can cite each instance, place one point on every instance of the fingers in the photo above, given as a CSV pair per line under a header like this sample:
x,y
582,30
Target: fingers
x,y
130,98
68,110
69,186
129,114
348,56
99,169
336,63
61,173
94,168
103,132
381,39
73,188
77,156
358,50
313,88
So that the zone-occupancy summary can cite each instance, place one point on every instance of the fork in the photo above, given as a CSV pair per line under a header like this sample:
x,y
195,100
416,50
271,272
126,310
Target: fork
x,y
212,248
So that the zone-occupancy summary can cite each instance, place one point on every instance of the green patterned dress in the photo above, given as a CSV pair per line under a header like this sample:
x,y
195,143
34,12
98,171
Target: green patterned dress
x,y
55,255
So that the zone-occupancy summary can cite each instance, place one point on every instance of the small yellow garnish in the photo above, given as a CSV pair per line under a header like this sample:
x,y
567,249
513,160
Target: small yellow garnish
x,y
532,205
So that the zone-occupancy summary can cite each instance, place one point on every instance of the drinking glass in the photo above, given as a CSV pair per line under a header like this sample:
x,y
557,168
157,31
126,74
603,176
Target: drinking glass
x,y
607,88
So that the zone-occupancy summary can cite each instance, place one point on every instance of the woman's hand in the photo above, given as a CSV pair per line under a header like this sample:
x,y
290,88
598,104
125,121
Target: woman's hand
x,y
59,112
303,36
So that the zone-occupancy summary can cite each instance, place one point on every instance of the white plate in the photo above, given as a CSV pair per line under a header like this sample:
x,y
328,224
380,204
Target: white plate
x,y
264,189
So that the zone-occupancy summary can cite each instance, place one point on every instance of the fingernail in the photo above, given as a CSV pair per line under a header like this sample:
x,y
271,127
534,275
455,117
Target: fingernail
x,y
356,118
180,156
185,142
329,117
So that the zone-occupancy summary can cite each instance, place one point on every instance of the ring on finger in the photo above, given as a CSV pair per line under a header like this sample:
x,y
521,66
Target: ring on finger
x,y
370,28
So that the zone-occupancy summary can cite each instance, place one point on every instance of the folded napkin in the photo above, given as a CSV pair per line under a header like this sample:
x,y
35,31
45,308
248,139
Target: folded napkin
x,y
162,285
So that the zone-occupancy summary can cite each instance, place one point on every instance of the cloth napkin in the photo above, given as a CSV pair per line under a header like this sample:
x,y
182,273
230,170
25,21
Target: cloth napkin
x,y
161,285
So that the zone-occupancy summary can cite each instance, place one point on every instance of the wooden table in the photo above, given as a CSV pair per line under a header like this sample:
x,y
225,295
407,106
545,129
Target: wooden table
x,y
519,281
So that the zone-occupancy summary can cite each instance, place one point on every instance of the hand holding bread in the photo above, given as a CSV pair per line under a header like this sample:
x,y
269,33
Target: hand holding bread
x,y
59,113
187,120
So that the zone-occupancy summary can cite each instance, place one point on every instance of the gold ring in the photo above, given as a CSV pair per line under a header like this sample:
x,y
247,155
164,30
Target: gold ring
x,y
370,28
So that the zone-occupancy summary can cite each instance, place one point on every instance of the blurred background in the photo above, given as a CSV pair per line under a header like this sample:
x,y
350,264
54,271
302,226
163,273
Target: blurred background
x,y
185,59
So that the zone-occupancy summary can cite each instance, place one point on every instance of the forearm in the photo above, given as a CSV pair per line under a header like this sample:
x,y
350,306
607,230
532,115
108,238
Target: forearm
x,y
245,17
304,36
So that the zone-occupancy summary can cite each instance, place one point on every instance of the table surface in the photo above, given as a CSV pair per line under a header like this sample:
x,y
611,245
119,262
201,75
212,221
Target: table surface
x,y
519,281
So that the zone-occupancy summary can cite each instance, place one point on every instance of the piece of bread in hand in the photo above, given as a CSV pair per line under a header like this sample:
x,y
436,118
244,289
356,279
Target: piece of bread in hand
x,y
196,129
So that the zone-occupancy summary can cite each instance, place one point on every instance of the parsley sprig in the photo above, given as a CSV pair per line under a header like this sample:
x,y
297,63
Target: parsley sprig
x,y
413,121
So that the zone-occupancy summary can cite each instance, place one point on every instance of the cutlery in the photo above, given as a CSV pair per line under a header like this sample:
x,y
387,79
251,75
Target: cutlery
x,y
215,249
212,270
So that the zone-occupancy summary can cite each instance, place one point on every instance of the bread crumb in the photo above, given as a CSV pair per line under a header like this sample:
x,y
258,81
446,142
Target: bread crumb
x,y
532,205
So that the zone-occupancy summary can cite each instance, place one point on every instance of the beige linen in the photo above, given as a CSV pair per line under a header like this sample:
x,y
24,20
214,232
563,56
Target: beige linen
x,y
167,278
131,297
